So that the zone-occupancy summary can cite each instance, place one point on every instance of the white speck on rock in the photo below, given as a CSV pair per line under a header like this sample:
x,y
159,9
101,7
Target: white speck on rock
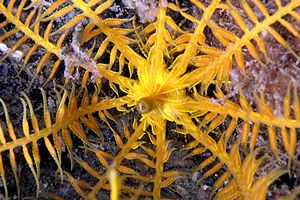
x,y
16,55
146,9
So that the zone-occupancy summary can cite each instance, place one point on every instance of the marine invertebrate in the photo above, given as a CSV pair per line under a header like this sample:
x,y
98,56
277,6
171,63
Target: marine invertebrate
x,y
164,72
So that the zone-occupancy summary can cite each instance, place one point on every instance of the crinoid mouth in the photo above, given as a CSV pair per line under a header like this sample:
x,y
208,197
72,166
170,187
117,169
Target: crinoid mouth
x,y
145,105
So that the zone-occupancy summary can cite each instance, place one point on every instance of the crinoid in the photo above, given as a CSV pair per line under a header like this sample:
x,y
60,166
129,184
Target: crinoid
x,y
189,86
